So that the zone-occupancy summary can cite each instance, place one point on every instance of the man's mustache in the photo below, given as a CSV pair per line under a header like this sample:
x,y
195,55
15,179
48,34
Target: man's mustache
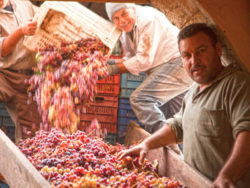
x,y
194,67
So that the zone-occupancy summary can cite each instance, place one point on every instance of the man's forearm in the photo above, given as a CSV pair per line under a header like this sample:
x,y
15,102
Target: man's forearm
x,y
164,136
11,41
239,161
121,67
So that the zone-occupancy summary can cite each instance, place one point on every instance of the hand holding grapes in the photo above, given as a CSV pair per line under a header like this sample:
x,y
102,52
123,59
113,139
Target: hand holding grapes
x,y
140,150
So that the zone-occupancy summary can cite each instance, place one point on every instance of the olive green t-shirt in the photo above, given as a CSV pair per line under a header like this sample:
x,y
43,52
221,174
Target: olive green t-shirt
x,y
210,120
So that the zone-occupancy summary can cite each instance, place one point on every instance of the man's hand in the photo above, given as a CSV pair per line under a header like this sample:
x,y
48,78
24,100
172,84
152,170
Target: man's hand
x,y
29,28
109,70
222,182
140,150
112,69
11,41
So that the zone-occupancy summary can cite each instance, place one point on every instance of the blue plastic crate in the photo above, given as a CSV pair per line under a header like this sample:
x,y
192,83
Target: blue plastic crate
x,y
5,118
131,81
3,185
125,115
124,103
4,112
9,131
126,92
6,121
173,106
125,110
124,121
2,106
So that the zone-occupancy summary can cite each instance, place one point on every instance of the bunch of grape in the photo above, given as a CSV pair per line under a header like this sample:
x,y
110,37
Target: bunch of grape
x,y
77,160
65,81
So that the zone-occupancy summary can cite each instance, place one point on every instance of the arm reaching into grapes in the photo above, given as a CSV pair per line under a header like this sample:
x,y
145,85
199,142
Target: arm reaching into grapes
x,y
11,41
140,150
162,137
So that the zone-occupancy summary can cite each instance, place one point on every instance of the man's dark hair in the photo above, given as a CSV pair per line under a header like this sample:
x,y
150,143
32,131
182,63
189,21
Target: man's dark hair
x,y
192,29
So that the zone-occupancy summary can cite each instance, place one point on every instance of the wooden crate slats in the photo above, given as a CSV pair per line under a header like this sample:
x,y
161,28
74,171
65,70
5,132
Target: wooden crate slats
x,y
16,168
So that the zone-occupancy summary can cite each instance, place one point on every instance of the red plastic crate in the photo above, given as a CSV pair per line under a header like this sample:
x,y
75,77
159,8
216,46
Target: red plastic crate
x,y
107,122
115,57
106,105
114,79
104,109
112,118
109,86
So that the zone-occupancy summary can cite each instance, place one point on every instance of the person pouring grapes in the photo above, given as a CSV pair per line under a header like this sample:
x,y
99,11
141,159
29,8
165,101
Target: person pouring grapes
x,y
149,45
16,64
214,121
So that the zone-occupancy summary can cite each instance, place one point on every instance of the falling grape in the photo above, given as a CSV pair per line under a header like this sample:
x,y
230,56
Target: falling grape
x,y
65,81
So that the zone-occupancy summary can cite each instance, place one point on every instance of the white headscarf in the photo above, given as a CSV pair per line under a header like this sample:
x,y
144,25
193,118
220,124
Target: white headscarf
x,y
112,8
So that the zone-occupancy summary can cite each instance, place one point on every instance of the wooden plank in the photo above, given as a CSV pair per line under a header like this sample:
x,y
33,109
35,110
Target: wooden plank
x,y
115,1
176,167
170,163
16,168
122,1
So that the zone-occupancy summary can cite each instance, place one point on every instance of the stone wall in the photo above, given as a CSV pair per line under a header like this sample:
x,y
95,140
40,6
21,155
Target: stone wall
x,y
184,12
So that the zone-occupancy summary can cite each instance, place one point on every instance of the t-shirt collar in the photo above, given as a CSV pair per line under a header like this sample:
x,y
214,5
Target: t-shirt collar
x,y
12,4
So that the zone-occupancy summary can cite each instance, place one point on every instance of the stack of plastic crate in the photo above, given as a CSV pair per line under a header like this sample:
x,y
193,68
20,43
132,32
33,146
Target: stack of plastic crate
x,y
129,83
173,106
105,106
6,124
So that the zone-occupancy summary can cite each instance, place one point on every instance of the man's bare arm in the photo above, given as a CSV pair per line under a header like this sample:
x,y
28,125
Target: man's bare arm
x,y
237,164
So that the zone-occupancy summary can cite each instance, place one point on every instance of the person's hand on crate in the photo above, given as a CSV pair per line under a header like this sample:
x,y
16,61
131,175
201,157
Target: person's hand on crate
x,y
110,70
222,182
114,67
29,28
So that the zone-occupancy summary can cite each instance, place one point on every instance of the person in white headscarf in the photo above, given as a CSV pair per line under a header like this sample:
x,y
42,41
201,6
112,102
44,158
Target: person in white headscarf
x,y
149,43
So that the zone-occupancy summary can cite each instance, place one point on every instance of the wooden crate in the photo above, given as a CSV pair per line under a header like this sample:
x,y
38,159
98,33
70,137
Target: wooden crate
x,y
16,168
170,163
19,172
69,21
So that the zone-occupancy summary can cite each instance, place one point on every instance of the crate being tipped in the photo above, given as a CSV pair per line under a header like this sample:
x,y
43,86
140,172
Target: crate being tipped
x,y
69,21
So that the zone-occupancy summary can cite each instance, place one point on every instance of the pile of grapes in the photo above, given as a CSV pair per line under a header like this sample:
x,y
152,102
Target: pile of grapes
x,y
65,81
78,160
